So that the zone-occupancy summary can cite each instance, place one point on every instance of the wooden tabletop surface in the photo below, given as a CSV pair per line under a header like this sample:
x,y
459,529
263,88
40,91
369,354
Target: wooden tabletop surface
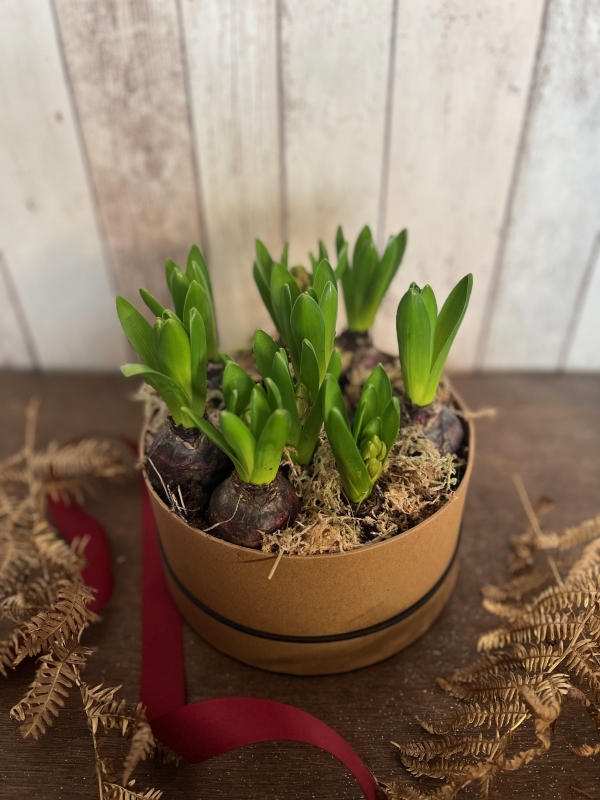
x,y
547,428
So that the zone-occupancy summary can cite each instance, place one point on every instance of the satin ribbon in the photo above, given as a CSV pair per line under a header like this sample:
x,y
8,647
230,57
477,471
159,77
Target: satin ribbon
x,y
208,728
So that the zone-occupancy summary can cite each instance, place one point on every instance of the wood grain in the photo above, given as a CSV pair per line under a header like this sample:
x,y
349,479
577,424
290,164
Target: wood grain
x,y
460,88
124,62
232,60
335,68
48,233
13,342
554,220
582,351
543,426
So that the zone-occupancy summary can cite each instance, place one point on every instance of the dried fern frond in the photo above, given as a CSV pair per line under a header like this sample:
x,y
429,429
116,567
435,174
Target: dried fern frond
x,y
116,792
101,708
8,651
546,655
42,594
69,616
143,745
57,673
517,588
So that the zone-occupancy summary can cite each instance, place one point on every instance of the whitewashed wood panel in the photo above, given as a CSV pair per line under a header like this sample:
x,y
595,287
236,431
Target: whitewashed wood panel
x,y
335,59
125,64
582,349
47,229
462,72
13,347
232,59
556,211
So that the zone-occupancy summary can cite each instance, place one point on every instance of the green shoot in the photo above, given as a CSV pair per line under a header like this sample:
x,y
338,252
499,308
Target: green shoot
x,y
298,278
425,337
252,432
367,279
306,321
189,290
361,452
301,398
174,357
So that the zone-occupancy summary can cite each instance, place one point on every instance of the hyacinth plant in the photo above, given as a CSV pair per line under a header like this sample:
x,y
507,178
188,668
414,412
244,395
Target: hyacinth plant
x,y
361,450
174,353
367,278
230,473
253,431
192,289
424,341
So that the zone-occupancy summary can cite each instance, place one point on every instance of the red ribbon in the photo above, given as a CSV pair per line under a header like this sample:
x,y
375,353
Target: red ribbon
x,y
206,729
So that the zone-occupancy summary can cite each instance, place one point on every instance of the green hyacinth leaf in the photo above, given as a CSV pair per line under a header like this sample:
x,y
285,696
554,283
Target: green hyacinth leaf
x,y
428,298
340,241
381,381
414,342
237,387
329,308
193,299
448,323
335,364
285,386
309,369
263,261
281,277
138,332
333,398
363,241
178,286
386,271
322,276
342,264
260,411
273,394
390,423
265,349
269,447
197,268
365,411
323,251
174,355
155,307
284,255
353,473
198,297
170,392
240,440
198,360
308,323
264,291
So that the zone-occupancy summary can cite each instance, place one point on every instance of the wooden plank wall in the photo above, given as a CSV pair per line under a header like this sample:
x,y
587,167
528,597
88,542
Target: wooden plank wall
x,y
131,128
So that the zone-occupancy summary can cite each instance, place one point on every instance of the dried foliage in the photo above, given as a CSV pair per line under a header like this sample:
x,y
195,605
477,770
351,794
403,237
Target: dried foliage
x,y
544,656
45,604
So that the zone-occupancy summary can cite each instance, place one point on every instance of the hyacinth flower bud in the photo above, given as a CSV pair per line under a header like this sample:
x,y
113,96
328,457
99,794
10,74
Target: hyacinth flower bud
x,y
374,467
302,277
369,449
373,447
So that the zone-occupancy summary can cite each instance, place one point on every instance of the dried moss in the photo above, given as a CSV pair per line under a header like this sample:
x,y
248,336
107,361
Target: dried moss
x,y
415,483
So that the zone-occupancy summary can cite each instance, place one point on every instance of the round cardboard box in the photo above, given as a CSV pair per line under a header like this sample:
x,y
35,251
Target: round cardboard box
x,y
319,614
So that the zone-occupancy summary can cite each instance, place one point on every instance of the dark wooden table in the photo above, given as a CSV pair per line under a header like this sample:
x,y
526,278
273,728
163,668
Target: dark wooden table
x,y
547,428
